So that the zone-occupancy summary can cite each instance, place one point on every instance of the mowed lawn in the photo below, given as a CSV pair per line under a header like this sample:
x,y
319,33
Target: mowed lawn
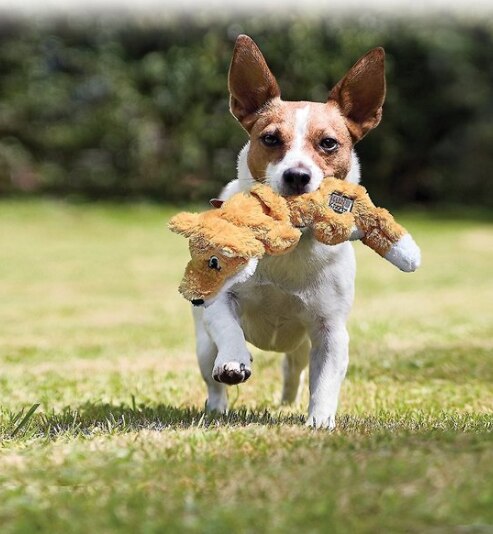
x,y
92,329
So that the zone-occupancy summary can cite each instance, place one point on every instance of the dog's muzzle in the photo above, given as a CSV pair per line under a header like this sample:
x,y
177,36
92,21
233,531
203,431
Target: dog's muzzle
x,y
197,302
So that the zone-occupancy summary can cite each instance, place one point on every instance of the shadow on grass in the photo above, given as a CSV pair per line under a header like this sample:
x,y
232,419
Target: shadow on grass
x,y
91,419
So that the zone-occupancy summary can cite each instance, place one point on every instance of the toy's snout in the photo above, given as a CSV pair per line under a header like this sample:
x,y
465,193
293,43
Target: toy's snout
x,y
206,274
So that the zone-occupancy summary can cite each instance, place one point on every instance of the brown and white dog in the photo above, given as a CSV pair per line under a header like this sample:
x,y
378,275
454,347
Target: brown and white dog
x,y
298,303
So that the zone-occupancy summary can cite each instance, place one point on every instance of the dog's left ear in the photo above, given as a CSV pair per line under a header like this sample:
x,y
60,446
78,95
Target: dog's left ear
x,y
361,93
251,83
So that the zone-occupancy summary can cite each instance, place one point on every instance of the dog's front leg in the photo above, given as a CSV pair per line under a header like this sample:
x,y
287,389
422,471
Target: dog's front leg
x,y
328,364
233,361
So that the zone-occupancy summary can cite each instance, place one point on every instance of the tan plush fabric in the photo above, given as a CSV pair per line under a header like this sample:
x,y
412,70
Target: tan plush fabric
x,y
246,226
249,225
380,229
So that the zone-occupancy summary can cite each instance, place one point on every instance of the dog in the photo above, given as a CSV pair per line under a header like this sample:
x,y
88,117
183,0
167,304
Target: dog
x,y
297,303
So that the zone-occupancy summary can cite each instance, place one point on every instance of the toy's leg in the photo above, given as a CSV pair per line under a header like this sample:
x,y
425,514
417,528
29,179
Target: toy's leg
x,y
293,367
281,238
217,398
333,229
328,364
233,361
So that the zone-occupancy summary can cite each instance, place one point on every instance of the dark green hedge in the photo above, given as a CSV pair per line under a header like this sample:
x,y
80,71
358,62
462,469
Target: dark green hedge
x,y
140,108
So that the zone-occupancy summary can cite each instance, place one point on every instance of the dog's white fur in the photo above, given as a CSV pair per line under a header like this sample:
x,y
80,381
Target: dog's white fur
x,y
297,304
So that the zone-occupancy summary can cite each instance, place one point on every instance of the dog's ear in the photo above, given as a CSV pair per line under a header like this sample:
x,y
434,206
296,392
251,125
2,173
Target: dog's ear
x,y
184,223
361,93
251,83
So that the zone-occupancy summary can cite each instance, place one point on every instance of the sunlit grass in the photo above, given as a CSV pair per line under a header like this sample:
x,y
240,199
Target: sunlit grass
x,y
93,330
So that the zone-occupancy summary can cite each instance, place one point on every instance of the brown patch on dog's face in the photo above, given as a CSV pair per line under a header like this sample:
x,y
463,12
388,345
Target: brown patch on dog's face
x,y
278,119
287,147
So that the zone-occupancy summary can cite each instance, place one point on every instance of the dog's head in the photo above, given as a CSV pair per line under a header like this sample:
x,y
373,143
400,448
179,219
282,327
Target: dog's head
x,y
222,254
293,145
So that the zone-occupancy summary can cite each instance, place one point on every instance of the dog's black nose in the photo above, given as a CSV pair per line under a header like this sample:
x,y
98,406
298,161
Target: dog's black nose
x,y
296,179
198,302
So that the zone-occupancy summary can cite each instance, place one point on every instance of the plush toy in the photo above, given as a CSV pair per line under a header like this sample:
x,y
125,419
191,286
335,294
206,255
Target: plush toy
x,y
226,243
339,211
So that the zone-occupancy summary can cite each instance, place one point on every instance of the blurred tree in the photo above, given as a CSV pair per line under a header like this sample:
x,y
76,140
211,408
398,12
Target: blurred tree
x,y
140,108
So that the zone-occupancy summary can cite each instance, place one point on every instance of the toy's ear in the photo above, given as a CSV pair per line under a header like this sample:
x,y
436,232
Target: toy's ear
x,y
361,93
273,204
216,202
184,223
237,242
243,246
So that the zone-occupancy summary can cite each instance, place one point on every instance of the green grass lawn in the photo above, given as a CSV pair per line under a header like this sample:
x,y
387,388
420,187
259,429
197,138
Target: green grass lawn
x,y
92,329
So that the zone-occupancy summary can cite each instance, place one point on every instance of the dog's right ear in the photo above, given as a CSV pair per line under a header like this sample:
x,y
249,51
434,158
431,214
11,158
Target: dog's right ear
x,y
251,83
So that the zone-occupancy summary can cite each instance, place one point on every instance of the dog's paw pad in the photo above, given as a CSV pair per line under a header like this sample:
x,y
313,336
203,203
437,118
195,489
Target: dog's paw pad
x,y
231,373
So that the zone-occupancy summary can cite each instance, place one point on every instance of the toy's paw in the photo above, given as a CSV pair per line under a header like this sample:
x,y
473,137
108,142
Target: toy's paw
x,y
405,254
231,373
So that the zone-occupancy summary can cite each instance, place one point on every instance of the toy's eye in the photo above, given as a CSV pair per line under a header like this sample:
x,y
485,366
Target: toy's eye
x,y
329,144
214,263
270,140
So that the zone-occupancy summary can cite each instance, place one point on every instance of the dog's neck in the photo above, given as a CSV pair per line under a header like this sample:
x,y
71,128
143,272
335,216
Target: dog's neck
x,y
246,180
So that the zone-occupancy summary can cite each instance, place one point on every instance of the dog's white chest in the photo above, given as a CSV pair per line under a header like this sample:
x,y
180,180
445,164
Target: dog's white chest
x,y
285,295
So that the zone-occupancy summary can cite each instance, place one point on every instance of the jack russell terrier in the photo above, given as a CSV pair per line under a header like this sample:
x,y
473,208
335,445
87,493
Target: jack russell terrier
x,y
297,303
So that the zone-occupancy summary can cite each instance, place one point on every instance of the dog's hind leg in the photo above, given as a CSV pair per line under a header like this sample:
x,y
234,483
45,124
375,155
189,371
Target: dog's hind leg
x,y
328,364
293,367
217,397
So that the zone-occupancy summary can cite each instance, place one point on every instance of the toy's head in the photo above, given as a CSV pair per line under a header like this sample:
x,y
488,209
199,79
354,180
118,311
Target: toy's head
x,y
222,254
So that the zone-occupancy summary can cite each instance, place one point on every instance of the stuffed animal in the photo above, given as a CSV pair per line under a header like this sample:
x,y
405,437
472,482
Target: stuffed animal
x,y
339,211
226,243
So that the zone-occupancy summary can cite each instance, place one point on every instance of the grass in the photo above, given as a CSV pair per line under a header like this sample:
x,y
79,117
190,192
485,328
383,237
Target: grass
x,y
101,420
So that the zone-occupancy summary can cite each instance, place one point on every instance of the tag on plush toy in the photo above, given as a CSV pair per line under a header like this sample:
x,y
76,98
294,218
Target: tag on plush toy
x,y
340,203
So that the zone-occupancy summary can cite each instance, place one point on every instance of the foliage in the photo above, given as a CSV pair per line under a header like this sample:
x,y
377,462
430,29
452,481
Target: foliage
x,y
93,330
140,108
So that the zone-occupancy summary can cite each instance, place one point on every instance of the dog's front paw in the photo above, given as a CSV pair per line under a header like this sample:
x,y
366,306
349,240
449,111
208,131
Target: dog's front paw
x,y
231,373
321,422
217,402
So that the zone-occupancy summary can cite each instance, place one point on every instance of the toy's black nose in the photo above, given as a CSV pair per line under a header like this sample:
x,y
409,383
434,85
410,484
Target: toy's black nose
x,y
296,179
198,302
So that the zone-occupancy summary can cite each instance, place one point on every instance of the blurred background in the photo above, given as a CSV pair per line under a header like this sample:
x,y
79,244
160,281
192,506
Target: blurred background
x,y
112,120
137,107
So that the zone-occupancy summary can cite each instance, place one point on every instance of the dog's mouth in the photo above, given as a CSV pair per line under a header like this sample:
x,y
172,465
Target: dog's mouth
x,y
289,191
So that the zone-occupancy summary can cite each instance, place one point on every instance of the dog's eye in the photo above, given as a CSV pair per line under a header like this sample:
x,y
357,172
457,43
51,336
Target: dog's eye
x,y
329,144
214,263
270,140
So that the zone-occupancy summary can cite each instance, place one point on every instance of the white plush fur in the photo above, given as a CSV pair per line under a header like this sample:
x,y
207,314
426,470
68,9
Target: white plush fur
x,y
405,254
297,303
